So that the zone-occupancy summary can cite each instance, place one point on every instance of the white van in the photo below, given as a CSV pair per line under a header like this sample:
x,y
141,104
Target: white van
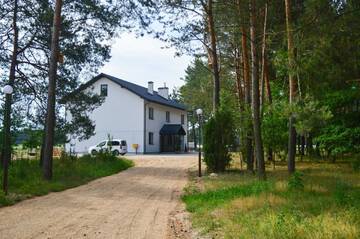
x,y
117,146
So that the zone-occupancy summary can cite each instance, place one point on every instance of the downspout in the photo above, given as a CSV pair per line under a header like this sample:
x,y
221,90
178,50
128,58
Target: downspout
x,y
145,104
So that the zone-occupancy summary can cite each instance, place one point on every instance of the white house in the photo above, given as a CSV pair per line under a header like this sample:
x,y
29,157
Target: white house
x,y
136,114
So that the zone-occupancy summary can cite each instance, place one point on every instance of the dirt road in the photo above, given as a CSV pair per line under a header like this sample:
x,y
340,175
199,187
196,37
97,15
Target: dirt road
x,y
135,203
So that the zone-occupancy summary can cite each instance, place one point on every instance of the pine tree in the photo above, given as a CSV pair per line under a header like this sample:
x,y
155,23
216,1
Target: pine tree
x,y
255,93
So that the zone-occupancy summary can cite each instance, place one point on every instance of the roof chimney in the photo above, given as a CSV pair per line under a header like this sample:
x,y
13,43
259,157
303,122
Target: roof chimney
x,y
151,87
164,92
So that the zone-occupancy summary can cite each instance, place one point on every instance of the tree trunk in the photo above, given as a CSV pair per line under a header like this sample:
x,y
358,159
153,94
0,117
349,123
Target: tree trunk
x,y
50,115
309,145
263,61
292,89
302,146
247,96
6,152
239,89
270,154
255,94
248,140
269,98
213,53
42,148
267,80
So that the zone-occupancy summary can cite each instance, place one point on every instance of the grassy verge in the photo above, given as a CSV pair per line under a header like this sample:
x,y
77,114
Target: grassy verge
x,y
321,201
25,178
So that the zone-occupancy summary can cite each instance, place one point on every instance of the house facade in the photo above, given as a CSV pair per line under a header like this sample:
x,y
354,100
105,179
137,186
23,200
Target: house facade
x,y
139,115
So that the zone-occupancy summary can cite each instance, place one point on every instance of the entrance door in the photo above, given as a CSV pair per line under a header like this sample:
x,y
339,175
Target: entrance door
x,y
170,143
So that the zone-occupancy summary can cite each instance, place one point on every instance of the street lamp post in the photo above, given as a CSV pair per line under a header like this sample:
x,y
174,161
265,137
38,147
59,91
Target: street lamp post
x,y
199,113
6,153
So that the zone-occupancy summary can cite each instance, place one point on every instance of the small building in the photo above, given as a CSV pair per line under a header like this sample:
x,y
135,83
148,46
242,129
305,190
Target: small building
x,y
139,115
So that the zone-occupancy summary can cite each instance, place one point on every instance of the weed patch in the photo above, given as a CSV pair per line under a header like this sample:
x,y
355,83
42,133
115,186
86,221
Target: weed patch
x,y
25,176
211,199
321,200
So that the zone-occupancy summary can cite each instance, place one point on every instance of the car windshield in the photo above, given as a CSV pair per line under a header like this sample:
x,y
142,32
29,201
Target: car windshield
x,y
123,143
101,144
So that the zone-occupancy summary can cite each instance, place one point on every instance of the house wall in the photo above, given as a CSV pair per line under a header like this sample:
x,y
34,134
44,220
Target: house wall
x,y
159,120
121,115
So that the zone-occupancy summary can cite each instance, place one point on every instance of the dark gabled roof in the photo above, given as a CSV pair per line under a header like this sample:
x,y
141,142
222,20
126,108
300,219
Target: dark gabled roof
x,y
136,89
172,129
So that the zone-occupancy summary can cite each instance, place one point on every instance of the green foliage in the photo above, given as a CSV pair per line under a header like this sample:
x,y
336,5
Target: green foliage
x,y
33,140
296,181
25,177
218,140
338,139
274,126
197,91
342,133
87,30
310,115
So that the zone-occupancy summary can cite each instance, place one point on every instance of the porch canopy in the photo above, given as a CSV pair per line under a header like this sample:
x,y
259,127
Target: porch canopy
x,y
172,129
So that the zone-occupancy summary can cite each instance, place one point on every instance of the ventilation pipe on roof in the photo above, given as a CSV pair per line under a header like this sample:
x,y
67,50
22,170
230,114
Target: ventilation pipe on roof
x,y
151,87
164,92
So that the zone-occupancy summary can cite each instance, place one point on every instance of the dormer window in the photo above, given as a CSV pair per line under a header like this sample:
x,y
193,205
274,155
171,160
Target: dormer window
x,y
103,89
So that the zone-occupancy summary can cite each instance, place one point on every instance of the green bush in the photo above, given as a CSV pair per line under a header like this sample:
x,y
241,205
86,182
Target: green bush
x,y
219,137
338,139
296,181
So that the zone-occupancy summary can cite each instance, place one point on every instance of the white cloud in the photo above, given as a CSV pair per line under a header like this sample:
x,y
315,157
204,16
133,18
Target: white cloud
x,y
140,60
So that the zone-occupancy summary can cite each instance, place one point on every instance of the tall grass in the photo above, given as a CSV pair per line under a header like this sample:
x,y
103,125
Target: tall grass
x,y
320,201
25,176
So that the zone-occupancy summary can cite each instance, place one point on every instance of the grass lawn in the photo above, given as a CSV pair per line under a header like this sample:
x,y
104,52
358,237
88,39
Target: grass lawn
x,y
25,177
323,201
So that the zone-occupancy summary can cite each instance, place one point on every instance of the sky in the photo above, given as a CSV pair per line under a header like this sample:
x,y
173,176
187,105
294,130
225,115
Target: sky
x,y
140,60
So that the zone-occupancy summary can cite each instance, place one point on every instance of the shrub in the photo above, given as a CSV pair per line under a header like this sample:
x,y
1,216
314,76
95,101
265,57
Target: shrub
x,y
218,140
296,181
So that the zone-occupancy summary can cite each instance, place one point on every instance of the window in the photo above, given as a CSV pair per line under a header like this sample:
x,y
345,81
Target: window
x,y
182,119
104,90
101,144
123,143
151,138
151,113
113,143
167,116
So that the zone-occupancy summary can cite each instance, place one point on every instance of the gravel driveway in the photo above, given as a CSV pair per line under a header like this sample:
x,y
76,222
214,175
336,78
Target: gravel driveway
x,y
135,203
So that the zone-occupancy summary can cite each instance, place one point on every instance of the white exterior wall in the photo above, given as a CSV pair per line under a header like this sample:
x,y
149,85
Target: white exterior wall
x,y
121,115
159,120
